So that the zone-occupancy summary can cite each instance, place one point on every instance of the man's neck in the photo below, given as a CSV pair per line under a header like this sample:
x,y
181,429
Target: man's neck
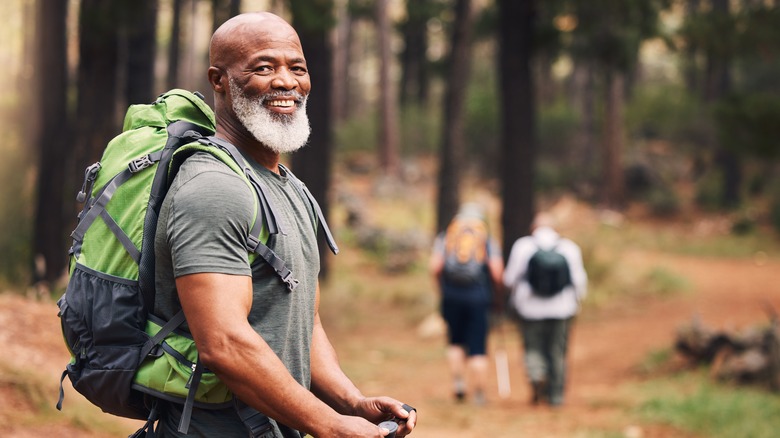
x,y
249,146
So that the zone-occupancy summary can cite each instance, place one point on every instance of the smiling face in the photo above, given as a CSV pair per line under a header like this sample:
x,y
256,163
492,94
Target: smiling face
x,y
278,121
261,72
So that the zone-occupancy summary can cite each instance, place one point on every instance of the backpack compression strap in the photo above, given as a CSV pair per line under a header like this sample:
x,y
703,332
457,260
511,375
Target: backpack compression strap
x,y
178,132
268,215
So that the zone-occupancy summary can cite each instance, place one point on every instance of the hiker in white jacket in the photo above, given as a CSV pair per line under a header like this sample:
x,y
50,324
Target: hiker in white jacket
x,y
545,321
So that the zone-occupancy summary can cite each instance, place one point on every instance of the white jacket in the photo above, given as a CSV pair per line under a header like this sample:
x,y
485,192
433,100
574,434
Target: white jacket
x,y
560,306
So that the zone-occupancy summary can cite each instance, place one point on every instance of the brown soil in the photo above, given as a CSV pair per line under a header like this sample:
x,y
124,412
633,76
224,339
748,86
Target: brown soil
x,y
386,354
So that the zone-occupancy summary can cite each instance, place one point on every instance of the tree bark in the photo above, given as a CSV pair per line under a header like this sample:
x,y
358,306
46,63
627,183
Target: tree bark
x,y
223,10
53,142
614,138
518,118
140,34
414,68
312,164
389,154
451,152
96,119
584,151
718,85
342,37
174,46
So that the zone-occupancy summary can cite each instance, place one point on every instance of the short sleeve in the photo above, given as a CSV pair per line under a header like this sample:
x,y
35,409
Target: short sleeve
x,y
211,215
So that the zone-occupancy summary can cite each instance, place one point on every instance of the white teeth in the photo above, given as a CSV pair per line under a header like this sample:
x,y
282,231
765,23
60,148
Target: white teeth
x,y
281,103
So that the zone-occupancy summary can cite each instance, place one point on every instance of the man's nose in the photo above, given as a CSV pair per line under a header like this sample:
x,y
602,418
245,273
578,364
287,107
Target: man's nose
x,y
284,79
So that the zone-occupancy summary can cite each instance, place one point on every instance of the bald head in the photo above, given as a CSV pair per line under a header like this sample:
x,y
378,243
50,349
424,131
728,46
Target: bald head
x,y
236,36
260,81
543,219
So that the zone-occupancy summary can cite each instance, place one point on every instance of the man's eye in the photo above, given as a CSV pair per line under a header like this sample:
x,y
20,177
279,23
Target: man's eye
x,y
263,69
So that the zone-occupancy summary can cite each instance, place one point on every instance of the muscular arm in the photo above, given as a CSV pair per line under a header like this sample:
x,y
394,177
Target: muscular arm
x,y
216,307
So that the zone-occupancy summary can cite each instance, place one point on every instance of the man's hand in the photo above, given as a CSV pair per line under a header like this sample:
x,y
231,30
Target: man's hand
x,y
378,409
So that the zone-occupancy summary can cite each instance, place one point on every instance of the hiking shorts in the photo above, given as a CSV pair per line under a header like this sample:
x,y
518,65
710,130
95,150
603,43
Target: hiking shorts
x,y
467,325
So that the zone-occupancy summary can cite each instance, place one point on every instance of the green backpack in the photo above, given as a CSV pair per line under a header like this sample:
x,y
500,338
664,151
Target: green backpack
x,y
120,352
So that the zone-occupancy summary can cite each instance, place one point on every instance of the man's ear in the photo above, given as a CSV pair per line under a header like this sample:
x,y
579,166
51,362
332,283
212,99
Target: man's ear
x,y
217,79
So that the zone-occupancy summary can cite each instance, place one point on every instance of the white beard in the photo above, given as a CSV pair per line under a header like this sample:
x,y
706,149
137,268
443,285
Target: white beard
x,y
282,133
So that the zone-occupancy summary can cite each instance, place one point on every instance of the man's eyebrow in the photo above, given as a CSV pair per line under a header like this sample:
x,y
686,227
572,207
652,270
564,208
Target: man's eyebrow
x,y
269,58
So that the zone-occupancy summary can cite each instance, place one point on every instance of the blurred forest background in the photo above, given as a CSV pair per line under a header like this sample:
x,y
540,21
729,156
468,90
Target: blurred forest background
x,y
674,104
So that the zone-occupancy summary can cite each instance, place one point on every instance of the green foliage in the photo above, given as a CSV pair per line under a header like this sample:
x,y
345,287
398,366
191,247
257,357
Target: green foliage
x,y
557,126
482,125
311,16
743,225
609,32
747,124
708,190
420,130
656,360
693,403
665,111
774,211
16,195
660,281
663,202
357,134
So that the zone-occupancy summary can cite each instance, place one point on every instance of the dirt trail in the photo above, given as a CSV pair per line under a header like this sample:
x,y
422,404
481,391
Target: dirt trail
x,y
607,345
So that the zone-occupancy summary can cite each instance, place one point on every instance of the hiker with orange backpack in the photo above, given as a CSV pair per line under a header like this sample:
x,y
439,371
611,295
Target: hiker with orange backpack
x,y
467,265
547,279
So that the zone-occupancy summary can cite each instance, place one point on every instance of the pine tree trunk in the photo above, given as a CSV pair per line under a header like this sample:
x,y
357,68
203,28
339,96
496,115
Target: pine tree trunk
x,y
614,137
174,46
518,118
312,164
53,143
451,152
140,25
389,152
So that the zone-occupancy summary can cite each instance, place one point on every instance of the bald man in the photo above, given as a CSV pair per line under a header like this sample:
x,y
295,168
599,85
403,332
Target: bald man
x,y
265,343
545,319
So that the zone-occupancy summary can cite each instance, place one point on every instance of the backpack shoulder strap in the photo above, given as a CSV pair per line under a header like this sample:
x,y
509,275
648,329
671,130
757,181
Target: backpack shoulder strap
x,y
306,194
265,223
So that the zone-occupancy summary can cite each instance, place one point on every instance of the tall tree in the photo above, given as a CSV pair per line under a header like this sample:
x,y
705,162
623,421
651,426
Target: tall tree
x,y
342,36
222,10
414,61
452,148
718,84
96,119
389,153
609,33
312,164
52,139
174,45
139,19
518,117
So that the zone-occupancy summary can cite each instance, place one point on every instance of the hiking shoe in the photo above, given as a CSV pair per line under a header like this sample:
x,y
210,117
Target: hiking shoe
x,y
460,389
537,389
479,399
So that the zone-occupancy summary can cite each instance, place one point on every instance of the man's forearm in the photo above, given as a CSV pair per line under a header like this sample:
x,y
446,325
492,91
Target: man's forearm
x,y
328,381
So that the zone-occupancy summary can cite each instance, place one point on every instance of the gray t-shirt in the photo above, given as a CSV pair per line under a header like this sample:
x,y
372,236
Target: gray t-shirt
x,y
203,225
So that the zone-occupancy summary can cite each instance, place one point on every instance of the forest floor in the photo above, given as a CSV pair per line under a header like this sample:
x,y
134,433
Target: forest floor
x,y
387,351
